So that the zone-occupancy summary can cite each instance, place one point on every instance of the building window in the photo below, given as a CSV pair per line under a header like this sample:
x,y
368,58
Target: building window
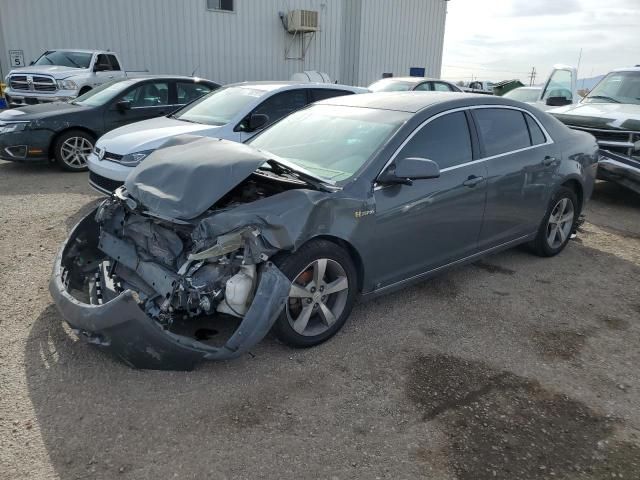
x,y
224,5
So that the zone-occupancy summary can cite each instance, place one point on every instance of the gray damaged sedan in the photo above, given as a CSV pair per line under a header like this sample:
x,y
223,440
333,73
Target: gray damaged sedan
x,y
352,196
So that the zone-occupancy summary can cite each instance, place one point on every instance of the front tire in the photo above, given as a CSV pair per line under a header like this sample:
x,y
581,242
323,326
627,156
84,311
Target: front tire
x,y
72,149
323,291
558,223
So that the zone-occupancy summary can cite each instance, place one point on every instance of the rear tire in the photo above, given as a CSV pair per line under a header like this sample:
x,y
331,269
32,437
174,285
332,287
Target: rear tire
x,y
558,223
324,288
71,150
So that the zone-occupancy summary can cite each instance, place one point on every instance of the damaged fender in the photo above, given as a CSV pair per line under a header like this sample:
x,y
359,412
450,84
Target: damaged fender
x,y
121,326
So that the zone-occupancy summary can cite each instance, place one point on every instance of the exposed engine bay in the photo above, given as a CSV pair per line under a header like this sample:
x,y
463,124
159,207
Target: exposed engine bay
x,y
187,241
157,259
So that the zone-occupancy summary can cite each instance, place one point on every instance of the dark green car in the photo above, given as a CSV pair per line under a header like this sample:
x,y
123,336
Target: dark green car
x,y
353,196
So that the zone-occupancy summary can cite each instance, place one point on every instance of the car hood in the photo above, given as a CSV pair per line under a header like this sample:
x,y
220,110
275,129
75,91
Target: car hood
x,y
57,71
616,116
150,134
190,174
38,112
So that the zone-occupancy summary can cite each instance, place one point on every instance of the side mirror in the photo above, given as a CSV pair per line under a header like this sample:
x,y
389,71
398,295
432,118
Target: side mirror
x,y
558,101
257,121
123,105
101,67
405,170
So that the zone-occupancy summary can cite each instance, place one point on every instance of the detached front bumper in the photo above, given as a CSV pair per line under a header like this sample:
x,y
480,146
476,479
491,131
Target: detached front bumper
x,y
121,326
619,169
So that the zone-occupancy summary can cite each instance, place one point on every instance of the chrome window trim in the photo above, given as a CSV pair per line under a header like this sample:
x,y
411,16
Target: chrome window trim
x,y
548,138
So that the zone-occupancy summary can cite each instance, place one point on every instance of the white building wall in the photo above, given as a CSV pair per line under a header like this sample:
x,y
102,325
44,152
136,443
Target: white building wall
x,y
400,34
180,36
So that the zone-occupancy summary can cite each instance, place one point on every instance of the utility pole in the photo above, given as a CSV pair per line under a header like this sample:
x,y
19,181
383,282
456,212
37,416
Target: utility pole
x,y
532,76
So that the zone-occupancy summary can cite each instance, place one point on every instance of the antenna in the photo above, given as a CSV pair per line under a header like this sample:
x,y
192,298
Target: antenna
x,y
532,76
195,70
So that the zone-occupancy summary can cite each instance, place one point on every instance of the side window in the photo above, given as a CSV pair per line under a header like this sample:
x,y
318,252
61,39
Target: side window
x,y
445,140
441,87
103,61
281,104
190,91
559,85
318,94
154,94
114,62
537,137
502,130
423,87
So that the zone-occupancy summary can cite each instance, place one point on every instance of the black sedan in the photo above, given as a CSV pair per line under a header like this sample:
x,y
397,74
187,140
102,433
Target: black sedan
x,y
67,132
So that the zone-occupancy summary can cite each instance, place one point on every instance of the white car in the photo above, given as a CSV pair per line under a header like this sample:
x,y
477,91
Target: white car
x,y
235,112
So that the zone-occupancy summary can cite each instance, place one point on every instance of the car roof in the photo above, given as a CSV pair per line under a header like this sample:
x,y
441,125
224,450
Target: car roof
x,y
526,88
627,69
412,79
413,102
269,86
81,50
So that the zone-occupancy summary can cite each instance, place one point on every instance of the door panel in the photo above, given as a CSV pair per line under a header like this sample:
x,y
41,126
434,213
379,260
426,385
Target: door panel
x,y
428,224
519,174
149,100
433,222
562,82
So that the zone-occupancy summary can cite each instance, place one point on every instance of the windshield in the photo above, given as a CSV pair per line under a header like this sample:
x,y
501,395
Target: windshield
x,y
388,85
523,94
102,94
65,58
331,142
616,87
219,107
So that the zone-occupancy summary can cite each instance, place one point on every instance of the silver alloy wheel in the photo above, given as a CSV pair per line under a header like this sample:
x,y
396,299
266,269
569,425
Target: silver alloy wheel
x,y
75,151
560,223
317,297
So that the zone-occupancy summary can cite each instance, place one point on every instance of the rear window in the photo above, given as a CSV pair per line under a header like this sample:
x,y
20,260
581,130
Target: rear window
x,y
537,137
502,130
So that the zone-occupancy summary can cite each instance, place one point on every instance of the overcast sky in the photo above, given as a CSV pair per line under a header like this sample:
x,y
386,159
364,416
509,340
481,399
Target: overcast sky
x,y
498,40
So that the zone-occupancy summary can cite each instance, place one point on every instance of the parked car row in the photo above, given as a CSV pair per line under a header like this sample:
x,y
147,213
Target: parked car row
x,y
260,200
354,195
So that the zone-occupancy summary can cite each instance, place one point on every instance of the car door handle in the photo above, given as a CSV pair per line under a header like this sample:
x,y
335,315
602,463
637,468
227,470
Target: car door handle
x,y
548,160
472,181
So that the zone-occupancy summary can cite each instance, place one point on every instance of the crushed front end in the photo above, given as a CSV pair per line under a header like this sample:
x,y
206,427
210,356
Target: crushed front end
x,y
141,286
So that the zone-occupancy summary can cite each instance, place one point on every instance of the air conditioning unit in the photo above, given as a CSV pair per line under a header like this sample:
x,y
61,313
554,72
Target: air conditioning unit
x,y
302,21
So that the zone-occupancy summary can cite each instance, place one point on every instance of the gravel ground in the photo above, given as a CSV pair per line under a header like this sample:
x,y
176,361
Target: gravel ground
x,y
513,368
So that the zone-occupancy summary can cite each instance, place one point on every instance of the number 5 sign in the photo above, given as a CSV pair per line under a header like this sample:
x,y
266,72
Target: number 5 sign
x,y
17,58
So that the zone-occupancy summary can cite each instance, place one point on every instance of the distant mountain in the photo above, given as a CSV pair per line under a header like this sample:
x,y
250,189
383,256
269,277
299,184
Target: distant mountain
x,y
588,83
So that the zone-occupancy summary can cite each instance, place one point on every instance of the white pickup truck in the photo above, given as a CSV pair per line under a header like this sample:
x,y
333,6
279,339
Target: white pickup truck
x,y
61,75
